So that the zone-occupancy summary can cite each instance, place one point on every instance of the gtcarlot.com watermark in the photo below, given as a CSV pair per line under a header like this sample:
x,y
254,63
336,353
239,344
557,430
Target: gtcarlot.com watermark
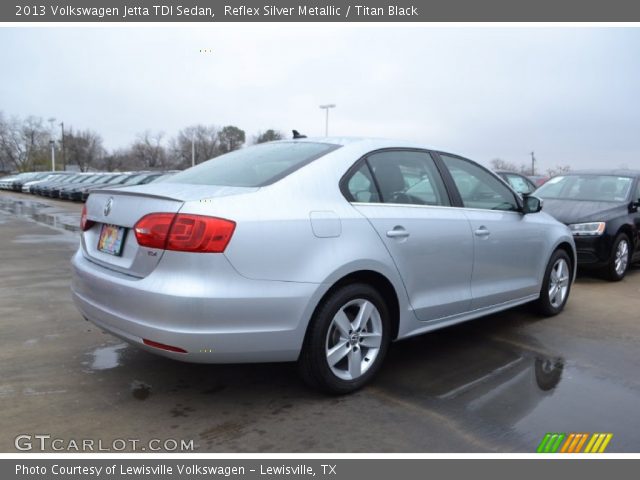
x,y
45,442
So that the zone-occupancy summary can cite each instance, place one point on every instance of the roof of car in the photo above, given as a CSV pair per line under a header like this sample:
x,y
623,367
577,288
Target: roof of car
x,y
372,141
623,172
511,173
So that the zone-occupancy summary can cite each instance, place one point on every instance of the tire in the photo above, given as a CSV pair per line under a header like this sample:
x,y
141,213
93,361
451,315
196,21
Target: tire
x,y
334,329
552,301
620,259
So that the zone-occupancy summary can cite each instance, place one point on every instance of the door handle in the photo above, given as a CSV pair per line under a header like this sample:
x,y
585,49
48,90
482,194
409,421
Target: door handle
x,y
397,232
482,232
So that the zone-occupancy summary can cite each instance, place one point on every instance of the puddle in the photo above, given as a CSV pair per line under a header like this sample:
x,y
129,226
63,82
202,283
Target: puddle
x,y
511,395
106,358
42,213
140,390
584,402
30,392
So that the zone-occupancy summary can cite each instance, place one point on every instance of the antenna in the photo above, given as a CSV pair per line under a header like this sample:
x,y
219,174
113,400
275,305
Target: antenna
x,y
297,134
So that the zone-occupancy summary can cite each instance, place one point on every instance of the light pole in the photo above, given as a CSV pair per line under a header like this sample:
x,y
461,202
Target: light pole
x,y
52,144
533,163
64,154
326,122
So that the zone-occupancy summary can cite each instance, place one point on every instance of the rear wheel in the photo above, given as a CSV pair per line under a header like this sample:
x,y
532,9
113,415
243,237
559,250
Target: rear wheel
x,y
556,284
347,340
620,256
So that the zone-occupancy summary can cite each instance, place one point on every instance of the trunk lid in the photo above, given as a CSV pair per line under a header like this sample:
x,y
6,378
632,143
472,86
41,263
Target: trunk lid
x,y
128,205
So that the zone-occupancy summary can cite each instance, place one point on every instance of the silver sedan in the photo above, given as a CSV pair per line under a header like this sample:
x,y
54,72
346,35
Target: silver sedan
x,y
320,251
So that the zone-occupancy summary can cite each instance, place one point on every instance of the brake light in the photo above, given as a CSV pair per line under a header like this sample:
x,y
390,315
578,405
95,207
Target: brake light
x,y
85,223
152,230
184,232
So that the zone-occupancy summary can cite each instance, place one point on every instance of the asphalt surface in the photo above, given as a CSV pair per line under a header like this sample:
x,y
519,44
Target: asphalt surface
x,y
497,384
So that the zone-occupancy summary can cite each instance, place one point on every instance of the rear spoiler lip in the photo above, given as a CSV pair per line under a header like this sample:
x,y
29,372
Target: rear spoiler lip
x,y
176,197
136,194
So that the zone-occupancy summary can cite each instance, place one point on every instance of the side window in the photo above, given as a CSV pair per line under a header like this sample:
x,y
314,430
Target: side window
x,y
637,192
361,186
477,187
408,177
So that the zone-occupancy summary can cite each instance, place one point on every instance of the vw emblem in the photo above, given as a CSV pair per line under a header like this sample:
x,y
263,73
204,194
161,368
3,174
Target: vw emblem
x,y
107,207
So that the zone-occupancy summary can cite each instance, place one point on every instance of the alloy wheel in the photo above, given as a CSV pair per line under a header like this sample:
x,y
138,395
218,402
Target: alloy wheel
x,y
353,339
622,257
559,283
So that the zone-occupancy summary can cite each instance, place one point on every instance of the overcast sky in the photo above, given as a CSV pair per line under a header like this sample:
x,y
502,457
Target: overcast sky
x,y
570,94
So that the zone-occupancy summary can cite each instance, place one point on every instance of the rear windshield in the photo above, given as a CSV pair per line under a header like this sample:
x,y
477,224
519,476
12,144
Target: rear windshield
x,y
254,166
601,188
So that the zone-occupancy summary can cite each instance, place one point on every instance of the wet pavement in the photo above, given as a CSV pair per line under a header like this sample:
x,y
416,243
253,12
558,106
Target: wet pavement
x,y
497,384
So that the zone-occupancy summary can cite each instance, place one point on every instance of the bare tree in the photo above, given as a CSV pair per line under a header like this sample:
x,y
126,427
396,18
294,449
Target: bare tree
x,y
231,138
268,136
205,145
23,143
558,170
84,148
502,165
497,164
148,151
118,160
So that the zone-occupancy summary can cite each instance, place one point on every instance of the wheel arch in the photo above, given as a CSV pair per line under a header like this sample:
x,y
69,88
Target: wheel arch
x,y
628,231
377,280
568,248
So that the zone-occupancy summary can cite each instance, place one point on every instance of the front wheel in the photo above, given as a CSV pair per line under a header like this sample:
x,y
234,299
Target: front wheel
x,y
556,284
347,340
620,255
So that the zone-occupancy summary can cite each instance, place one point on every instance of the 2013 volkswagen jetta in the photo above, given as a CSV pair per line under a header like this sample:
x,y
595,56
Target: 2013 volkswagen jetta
x,y
321,251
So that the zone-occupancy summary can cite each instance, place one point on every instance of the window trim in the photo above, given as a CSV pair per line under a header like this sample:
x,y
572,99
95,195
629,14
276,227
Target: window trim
x,y
344,180
460,202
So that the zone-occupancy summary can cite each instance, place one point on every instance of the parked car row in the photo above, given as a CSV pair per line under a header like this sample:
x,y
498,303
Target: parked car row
x,y
15,182
75,186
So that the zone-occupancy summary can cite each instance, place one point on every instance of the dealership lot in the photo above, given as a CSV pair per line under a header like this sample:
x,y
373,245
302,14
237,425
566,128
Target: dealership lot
x,y
496,384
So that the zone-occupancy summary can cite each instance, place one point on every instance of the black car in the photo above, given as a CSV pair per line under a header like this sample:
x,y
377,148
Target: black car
x,y
601,209
518,182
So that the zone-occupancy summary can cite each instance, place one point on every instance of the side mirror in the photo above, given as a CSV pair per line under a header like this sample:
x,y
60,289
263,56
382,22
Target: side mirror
x,y
531,204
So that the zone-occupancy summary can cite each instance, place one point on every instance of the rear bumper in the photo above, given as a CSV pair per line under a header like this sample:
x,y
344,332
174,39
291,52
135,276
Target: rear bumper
x,y
217,316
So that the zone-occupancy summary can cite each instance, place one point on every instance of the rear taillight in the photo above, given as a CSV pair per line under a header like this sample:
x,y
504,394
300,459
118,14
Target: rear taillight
x,y
85,223
152,230
184,232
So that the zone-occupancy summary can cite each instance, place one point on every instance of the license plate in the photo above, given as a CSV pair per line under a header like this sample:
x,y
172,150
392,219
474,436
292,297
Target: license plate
x,y
111,239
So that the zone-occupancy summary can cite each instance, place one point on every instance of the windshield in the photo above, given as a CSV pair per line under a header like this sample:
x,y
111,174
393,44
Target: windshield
x,y
599,188
254,166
